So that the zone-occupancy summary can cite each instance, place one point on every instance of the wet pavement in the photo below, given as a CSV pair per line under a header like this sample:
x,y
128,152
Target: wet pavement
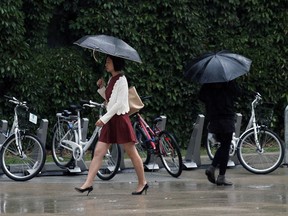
x,y
190,194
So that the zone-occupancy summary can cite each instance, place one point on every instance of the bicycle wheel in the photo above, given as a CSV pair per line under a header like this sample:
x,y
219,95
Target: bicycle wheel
x,y
170,154
63,157
211,145
110,163
141,146
24,160
264,160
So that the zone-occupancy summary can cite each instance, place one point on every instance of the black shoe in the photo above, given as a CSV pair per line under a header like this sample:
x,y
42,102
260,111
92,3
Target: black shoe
x,y
221,180
80,190
145,188
210,175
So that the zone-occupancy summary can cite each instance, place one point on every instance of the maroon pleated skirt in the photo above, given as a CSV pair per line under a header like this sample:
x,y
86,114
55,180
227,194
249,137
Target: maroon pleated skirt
x,y
118,130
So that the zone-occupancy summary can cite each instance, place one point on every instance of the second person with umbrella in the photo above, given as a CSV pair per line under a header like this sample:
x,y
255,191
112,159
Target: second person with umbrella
x,y
219,104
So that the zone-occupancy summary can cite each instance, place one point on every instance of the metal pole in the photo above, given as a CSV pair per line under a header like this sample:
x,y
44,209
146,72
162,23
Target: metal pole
x,y
286,136
42,131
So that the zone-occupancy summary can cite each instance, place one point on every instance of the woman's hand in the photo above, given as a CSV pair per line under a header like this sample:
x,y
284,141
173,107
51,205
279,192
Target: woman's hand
x,y
99,123
100,83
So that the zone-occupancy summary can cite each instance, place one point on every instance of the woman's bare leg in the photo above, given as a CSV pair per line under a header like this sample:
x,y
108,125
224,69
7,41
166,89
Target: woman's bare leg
x,y
132,153
100,151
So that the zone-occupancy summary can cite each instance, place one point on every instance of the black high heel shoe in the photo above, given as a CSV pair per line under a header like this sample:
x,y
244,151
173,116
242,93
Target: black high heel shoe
x,y
80,190
145,188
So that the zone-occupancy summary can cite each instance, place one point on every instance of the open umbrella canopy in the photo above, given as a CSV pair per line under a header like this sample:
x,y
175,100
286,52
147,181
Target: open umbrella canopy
x,y
109,45
221,66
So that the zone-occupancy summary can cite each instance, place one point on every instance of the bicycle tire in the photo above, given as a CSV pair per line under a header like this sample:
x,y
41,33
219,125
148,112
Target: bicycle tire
x,y
211,146
110,163
170,153
142,145
62,157
26,166
260,162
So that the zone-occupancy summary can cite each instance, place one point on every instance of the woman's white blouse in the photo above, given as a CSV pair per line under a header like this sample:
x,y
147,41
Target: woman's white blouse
x,y
118,102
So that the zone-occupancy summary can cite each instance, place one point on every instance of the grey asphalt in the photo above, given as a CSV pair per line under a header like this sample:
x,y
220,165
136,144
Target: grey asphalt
x,y
53,193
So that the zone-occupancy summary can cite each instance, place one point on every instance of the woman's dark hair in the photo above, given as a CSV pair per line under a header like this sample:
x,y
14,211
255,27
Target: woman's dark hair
x,y
118,63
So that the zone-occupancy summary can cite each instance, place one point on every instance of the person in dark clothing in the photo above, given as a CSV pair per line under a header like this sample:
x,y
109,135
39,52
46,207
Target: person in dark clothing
x,y
219,101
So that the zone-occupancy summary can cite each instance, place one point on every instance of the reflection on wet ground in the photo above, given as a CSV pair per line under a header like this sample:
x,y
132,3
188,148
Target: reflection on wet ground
x,y
191,194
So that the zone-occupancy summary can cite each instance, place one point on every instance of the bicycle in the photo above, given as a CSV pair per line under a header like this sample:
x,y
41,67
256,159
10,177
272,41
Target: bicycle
x,y
68,146
258,149
22,154
154,141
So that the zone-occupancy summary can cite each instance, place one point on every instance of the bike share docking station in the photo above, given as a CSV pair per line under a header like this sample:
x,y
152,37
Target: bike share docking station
x,y
192,157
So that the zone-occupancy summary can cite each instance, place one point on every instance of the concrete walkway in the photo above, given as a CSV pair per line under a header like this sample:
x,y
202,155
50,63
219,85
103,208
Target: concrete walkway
x,y
190,194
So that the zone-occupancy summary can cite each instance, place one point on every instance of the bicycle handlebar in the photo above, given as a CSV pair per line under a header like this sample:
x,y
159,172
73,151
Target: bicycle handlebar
x,y
257,99
92,104
16,101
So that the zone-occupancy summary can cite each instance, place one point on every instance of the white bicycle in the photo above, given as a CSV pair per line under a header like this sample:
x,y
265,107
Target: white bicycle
x,y
68,146
22,154
259,150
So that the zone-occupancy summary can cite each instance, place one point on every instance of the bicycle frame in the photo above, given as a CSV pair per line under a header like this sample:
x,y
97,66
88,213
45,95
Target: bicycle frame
x,y
79,147
15,125
147,130
252,121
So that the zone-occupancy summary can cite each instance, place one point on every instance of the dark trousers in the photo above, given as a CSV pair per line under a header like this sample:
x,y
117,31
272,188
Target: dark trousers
x,y
221,157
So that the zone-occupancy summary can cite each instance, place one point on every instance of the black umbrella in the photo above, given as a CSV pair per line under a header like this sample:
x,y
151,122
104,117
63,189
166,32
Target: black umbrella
x,y
109,45
222,66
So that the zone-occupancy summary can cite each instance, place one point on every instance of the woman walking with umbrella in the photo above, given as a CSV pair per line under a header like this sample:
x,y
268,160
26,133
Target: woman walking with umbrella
x,y
116,126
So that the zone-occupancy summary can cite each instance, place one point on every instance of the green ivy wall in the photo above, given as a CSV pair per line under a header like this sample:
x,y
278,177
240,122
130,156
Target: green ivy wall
x,y
40,64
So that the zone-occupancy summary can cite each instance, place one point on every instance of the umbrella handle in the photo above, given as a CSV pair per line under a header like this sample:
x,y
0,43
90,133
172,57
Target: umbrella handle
x,y
94,56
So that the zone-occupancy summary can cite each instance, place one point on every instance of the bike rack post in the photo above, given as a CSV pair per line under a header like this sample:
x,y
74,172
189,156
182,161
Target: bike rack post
x,y
286,136
192,158
3,129
84,124
162,124
42,131
234,160
80,165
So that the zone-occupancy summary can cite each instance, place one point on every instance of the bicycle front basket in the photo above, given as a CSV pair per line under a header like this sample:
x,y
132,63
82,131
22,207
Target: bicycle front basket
x,y
264,113
26,120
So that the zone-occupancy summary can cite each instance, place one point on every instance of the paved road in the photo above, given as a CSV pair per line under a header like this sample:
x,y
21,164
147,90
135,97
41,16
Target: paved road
x,y
190,194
